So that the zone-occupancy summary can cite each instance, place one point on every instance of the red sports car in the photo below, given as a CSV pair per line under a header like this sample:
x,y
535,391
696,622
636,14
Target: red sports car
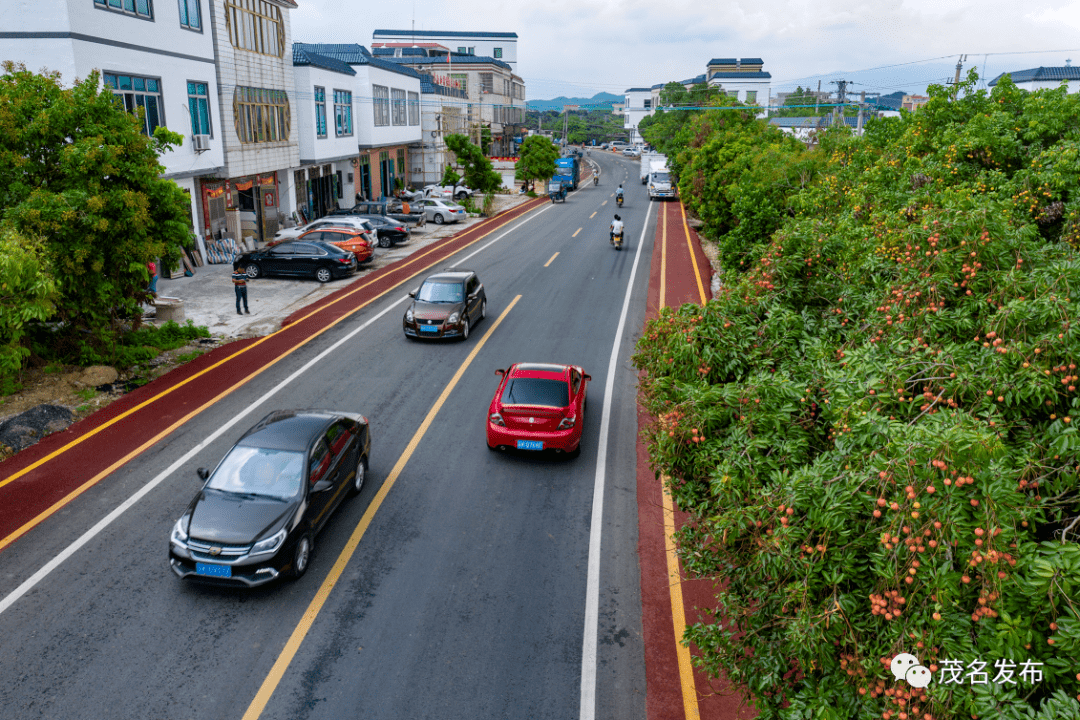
x,y
538,407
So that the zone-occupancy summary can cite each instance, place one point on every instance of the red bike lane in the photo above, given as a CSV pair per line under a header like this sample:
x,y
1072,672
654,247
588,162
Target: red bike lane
x,y
40,480
680,273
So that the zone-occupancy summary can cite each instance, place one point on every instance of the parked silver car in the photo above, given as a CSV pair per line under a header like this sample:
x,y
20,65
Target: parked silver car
x,y
442,211
330,221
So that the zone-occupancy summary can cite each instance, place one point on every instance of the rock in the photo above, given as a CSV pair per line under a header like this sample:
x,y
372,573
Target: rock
x,y
98,375
25,429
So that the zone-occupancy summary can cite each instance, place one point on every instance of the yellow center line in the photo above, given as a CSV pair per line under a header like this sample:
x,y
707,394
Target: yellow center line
x,y
693,257
576,233
266,690
551,260
603,203
594,214
678,609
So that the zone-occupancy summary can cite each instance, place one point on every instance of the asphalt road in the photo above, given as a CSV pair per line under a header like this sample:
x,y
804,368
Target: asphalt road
x,y
466,594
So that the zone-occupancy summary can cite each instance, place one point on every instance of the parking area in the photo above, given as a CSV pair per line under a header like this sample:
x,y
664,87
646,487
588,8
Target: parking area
x,y
208,298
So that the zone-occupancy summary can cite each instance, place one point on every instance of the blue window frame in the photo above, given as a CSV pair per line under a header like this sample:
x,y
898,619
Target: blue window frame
x,y
138,8
190,15
199,105
320,112
343,112
136,93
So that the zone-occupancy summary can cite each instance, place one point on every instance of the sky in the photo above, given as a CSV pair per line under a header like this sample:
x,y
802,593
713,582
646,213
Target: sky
x,y
576,48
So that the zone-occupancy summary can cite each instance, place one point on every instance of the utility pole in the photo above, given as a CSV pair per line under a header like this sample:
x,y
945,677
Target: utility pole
x,y
841,97
956,80
817,98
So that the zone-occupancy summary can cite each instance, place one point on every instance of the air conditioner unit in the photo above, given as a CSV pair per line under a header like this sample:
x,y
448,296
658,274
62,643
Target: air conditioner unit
x,y
201,143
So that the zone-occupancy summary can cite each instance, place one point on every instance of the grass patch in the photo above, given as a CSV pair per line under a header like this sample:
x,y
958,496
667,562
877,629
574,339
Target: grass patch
x,y
189,356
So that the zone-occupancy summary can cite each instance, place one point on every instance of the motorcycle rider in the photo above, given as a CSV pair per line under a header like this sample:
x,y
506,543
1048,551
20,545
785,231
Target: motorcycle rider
x,y
616,229
618,193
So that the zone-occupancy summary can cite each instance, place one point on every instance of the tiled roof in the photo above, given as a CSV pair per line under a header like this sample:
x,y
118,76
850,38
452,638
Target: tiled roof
x,y
795,122
757,75
352,54
441,33
1043,74
639,90
732,61
301,56
455,59
694,80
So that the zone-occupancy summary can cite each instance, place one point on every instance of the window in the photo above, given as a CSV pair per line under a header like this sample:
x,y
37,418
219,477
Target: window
x,y
139,92
472,51
199,105
462,50
343,113
190,16
463,81
400,117
381,104
320,112
498,52
319,462
648,104
751,96
138,8
401,161
486,84
261,115
255,25
414,108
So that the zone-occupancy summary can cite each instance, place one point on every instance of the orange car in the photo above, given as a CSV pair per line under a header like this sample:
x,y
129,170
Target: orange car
x,y
347,238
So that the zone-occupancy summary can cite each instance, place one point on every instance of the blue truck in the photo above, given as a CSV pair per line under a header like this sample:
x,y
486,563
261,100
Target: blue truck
x,y
567,171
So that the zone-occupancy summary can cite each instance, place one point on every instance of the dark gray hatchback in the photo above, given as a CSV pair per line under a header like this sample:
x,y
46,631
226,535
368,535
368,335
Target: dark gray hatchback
x,y
446,305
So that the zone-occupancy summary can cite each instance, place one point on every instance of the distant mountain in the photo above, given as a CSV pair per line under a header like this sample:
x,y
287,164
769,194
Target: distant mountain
x,y
599,101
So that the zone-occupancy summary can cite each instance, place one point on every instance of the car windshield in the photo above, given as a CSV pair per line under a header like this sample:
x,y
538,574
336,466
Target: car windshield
x,y
260,471
440,292
536,391
660,177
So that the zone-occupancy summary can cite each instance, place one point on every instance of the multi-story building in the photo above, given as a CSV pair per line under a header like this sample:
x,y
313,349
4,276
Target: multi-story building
x,y
914,102
444,110
157,56
386,102
1044,77
496,96
742,79
498,45
637,105
256,92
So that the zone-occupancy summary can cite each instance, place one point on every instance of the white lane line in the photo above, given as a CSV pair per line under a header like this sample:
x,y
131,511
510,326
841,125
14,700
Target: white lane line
x,y
93,532
488,244
592,587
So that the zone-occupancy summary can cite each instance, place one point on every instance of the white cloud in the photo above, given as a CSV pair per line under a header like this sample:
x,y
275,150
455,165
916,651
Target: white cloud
x,y
579,47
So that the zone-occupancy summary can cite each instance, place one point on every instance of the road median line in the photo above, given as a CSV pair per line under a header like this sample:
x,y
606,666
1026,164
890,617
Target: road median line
x,y
296,639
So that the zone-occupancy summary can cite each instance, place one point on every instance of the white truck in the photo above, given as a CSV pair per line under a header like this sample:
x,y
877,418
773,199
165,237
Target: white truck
x,y
655,174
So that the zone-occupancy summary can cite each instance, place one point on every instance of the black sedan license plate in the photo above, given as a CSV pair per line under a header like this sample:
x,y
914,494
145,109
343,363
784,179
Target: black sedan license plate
x,y
212,570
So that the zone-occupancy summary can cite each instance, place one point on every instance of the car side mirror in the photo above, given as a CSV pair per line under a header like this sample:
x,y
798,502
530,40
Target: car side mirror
x,y
500,372
587,376
412,293
322,486
203,473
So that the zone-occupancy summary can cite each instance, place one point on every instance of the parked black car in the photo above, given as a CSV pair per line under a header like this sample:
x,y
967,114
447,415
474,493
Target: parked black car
x,y
446,305
258,513
317,259
390,232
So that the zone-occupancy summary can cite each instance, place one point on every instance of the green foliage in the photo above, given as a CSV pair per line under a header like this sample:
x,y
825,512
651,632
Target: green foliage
x,y
479,173
872,425
485,139
77,172
583,126
536,159
144,344
27,294
450,177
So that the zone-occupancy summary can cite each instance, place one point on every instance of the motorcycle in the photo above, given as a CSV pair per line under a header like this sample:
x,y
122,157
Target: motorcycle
x,y
595,179
618,200
616,240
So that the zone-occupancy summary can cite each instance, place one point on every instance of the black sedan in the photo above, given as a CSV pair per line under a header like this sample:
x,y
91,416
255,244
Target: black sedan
x,y
319,260
390,232
446,305
258,513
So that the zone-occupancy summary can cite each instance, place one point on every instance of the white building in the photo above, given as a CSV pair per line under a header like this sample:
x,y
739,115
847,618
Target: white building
x,y
744,80
156,56
444,110
1044,77
386,132
638,104
498,45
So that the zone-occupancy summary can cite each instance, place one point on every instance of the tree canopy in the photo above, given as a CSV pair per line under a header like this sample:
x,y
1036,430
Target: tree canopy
x,y
476,167
872,425
78,174
537,159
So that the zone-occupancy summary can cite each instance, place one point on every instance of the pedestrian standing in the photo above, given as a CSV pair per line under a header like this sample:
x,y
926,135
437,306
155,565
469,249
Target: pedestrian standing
x,y
239,279
151,267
